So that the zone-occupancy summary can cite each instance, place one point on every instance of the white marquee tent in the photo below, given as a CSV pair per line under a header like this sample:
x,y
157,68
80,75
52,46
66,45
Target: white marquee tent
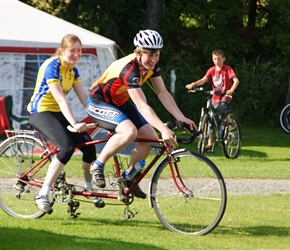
x,y
28,36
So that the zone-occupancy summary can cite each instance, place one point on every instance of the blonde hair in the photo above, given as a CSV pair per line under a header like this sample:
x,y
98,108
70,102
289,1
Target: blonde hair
x,y
138,50
67,41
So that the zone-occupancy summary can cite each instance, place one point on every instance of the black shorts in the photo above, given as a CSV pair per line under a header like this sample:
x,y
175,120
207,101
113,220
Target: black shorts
x,y
53,126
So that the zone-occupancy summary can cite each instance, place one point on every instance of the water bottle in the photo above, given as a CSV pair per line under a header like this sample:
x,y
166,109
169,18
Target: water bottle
x,y
137,169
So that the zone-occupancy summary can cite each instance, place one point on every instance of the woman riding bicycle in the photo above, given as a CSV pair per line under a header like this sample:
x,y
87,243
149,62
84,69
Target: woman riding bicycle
x,y
224,80
109,105
50,114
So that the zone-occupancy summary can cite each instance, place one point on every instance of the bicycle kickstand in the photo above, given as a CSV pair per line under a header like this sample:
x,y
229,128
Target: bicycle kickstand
x,y
128,214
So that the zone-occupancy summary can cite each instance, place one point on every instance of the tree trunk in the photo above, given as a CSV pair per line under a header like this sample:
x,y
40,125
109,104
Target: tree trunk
x,y
153,14
252,13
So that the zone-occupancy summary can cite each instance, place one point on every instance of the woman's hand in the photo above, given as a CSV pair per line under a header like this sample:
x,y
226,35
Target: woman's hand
x,y
80,127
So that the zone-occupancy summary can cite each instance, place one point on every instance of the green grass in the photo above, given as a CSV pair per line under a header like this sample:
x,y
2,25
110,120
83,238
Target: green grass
x,y
250,222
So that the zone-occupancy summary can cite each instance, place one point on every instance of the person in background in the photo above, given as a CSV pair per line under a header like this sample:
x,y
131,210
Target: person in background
x,y
50,114
223,79
109,104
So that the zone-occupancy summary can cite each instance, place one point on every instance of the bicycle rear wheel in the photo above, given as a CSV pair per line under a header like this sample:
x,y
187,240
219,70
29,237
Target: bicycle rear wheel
x,y
232,138
199,205
203,141
17,155
284,118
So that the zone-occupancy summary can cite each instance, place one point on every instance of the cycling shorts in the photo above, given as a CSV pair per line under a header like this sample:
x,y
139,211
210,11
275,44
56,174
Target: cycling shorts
x,y
222,108
109,116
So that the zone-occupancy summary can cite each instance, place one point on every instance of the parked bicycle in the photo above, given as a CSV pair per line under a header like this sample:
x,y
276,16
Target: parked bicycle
x,y
228,133
284,118
187,190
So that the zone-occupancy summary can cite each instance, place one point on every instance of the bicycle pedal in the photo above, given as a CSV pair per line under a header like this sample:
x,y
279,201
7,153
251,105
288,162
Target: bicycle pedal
x,y
19,186
99,203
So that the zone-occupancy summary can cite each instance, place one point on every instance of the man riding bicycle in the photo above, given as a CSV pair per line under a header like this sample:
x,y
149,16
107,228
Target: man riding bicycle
x,y
109,105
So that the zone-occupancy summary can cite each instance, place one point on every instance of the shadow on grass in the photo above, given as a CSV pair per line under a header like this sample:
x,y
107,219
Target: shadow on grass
x,y
218,152
27,238
253,231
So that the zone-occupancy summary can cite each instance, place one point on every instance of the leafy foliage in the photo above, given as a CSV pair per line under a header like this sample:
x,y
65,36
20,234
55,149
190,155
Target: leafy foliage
x,y
254,35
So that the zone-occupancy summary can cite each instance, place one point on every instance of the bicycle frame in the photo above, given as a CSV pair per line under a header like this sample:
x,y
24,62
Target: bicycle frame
x,y
123,195
213,116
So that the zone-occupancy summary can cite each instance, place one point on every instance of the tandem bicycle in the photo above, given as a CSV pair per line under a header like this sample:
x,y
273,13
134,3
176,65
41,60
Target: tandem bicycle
x,y
186,189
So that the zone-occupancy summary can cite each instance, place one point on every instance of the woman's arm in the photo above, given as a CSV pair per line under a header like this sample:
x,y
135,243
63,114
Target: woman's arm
x,y
81,93
59,97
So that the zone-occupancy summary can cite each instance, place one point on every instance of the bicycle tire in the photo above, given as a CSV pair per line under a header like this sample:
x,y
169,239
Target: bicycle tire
x,y
284,118
203,141
201,208
17,154
232,138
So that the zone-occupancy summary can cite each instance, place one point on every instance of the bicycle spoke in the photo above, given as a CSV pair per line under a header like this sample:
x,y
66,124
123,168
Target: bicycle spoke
x,y
17,154
195,207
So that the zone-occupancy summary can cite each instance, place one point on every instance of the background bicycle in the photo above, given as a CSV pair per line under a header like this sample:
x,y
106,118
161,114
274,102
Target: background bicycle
x,y
227,132
186,189
284,118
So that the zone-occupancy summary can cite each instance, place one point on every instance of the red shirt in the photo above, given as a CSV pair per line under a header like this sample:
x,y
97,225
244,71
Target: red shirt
x,y
221,80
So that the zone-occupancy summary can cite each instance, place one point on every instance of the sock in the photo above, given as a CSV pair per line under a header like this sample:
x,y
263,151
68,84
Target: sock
x,y
99,163
88,184
126,174
45,190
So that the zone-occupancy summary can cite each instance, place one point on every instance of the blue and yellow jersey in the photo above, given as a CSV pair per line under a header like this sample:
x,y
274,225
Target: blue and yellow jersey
x,y
121,75
52,71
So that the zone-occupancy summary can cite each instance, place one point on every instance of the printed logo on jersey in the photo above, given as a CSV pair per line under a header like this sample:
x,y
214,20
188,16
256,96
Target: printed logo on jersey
x,y
103,112
136,81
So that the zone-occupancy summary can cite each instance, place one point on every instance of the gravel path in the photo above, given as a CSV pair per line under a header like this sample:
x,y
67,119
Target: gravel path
x,y
234,186
246,186
257,186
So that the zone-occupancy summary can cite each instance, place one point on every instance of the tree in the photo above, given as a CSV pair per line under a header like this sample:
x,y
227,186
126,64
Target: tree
x,y
153,14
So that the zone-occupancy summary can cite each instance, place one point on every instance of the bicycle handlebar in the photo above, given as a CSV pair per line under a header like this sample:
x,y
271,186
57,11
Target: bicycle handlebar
x,y
178,124
210,92
171,125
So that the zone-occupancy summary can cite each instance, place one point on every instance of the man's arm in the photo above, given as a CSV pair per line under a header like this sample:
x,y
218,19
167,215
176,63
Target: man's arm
x,y
168,102
139,99
234,86
197,83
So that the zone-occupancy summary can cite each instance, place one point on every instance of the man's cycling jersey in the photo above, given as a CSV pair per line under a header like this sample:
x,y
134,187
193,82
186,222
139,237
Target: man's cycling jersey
x,y
120,76
53,71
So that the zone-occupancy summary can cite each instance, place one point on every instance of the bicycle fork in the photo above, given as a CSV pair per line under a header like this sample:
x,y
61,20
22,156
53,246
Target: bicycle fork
x,y
177,178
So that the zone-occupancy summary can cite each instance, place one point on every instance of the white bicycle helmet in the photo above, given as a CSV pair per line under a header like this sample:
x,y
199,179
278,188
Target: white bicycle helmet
x,y
148,39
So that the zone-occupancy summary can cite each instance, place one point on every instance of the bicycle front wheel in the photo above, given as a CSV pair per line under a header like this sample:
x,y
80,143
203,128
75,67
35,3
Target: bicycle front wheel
x,y
232,138
17,155
203,141
196,202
